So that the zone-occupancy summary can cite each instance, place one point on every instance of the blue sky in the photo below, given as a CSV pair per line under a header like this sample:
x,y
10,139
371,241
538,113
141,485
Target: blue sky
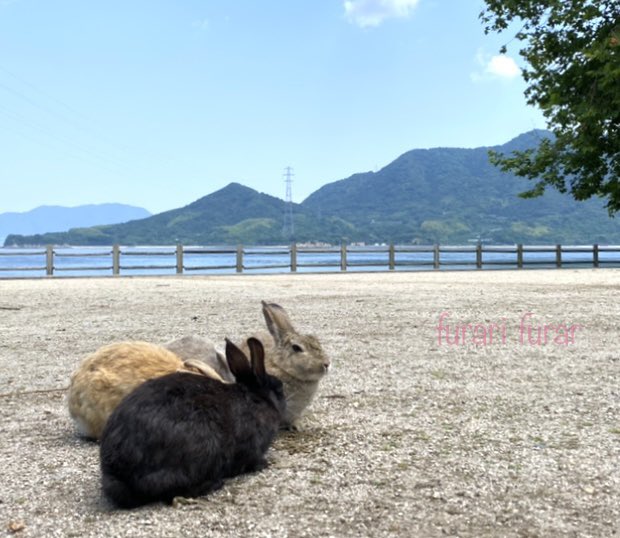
x,y
158,103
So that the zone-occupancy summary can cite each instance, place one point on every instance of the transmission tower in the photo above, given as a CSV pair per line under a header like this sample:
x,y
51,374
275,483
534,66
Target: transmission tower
x,y
288,228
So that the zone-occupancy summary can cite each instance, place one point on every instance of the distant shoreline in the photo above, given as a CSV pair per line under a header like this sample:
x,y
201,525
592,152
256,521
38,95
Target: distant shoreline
x,y
117,260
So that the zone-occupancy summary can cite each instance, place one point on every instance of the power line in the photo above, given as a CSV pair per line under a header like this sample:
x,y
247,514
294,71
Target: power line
x,y
38,133
288,227
90,146
74,117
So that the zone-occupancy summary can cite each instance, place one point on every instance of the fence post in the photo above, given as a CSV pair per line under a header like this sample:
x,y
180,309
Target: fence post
x,y
293,257
179,259
392,257
49,260
520,256
116,260
343,256
239,258
558,255
479,256
436,256
595,255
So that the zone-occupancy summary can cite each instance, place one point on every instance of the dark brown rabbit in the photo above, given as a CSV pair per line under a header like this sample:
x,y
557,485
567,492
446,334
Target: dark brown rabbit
x,y
183,434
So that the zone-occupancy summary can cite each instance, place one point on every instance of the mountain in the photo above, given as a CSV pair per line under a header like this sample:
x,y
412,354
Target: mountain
x,y
59,219
452,195
234,214
202,221
443,195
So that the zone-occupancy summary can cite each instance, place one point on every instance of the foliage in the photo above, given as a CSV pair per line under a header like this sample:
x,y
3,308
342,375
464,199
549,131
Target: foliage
x,y
437,229
572,51
251,231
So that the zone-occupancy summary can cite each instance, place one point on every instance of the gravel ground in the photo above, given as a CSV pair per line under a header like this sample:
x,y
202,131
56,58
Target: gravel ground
x,y
409,435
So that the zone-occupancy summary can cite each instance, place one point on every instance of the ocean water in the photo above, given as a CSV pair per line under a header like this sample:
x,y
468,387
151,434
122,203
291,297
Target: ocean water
x,y
98,261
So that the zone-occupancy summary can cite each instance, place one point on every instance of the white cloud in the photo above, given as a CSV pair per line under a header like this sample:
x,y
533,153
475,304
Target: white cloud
x,y
366,13
500,66
503,66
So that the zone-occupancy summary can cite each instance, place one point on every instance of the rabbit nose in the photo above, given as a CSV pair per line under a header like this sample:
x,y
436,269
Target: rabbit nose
x,y
326,366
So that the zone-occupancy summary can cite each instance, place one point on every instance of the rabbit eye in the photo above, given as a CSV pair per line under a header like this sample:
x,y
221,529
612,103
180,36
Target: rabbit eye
x,y
297,349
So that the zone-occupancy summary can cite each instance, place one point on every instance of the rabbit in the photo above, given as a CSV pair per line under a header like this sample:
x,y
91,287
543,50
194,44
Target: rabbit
x,y
103,378
298,360
183,434
191,348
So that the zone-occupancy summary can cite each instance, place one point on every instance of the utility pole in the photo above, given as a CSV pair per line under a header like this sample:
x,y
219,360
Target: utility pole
x,y
288,227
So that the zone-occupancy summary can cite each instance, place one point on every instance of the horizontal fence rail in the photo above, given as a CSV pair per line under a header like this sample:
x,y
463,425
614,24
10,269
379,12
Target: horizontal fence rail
x,y
121,260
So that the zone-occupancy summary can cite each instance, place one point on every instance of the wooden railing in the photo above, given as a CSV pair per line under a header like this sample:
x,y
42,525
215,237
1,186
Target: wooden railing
x,y
179,259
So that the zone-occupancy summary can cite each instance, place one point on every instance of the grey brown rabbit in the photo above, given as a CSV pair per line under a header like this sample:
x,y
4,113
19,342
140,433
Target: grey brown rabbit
x,y
195,350
298,360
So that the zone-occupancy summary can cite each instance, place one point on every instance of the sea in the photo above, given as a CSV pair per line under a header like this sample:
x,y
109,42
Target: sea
x,y
149,260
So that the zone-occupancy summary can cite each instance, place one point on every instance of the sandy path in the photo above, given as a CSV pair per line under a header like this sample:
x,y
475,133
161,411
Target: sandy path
x,y
409,436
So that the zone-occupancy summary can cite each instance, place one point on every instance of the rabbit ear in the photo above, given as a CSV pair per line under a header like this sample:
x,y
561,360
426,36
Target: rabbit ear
x,y
278,322
237,361
257,352
197,366
220,360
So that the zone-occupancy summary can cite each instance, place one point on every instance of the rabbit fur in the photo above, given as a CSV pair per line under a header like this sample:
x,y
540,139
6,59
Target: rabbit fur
x,y
103,378
298,360
183,434
194,348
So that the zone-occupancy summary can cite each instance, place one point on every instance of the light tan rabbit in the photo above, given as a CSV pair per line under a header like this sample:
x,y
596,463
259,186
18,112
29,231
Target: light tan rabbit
x,y
106,376
298,360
